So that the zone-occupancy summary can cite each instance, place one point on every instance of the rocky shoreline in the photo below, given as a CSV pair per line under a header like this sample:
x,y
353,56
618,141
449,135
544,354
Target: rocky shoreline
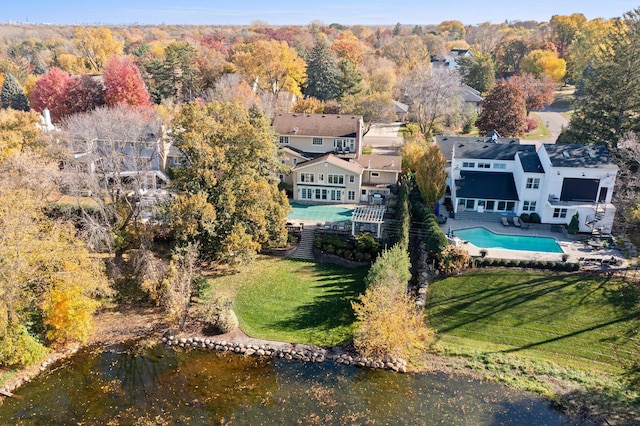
x,y
287,351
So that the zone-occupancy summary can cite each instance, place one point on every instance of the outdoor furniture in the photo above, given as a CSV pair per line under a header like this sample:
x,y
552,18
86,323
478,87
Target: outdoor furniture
x,y
516,221
505,221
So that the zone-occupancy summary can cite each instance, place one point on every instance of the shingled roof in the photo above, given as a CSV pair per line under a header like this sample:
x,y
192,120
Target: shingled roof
x,y
579,155
481,148
336,125
389,163
332,159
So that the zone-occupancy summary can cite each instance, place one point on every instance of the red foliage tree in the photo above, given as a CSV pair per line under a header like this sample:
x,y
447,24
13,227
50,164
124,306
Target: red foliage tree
x,y
85,94
123,83
503,110
52,91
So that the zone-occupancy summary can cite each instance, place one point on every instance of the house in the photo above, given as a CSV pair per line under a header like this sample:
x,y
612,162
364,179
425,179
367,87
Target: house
x,y
471,97
324,153
557,181
449,60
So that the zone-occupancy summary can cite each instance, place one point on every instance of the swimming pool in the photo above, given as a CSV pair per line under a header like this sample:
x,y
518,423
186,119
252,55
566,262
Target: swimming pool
x,y
483,238
321,213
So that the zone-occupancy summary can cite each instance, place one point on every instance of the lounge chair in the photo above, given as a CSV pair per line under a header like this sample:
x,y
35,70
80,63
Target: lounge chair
x,y
516,221
505,221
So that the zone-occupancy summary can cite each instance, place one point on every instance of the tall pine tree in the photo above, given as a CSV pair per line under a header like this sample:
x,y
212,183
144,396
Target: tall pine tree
x,y
323,75
12,95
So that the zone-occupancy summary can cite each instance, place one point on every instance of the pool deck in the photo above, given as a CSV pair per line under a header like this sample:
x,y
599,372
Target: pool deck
x,y
573,246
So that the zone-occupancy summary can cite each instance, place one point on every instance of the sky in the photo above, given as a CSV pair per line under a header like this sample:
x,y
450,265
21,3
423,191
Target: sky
x,y
302,12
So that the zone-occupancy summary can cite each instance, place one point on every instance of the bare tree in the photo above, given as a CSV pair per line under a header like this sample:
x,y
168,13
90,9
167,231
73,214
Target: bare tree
x,y
433,97
113,157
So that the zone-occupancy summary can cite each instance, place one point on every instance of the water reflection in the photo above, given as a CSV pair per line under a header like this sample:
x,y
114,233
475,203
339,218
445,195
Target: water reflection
x,y
160,386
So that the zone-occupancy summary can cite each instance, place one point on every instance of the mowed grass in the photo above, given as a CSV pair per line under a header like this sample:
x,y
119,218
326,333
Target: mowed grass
x,y
575,321
294,300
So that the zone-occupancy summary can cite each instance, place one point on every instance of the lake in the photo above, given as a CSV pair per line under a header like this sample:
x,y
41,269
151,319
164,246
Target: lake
x,y
161,385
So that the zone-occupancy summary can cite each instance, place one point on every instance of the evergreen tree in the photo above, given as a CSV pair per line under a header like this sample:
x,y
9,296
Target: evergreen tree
x,y
12,95
608,102
349,80
477,71
322,73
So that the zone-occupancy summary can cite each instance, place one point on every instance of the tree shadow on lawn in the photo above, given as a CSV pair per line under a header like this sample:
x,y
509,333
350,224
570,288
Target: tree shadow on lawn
x,y
330,310
508,296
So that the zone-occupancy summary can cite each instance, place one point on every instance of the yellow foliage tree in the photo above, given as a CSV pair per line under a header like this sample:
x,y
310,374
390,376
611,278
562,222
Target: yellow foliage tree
x,y
71,63
539,61
18,132
96,45
271,65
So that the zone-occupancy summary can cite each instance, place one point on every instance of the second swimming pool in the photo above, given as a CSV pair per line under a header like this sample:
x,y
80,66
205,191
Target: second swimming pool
x,y
483,238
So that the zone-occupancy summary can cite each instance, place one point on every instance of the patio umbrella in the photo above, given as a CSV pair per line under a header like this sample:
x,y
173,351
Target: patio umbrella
x,y
437,212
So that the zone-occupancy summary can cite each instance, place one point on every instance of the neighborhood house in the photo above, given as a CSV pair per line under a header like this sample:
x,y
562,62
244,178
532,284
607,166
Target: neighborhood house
x,y
555,182
324,153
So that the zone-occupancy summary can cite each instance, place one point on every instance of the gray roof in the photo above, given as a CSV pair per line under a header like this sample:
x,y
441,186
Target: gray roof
x,y
579,155
531,162
469,94
486,186
482,148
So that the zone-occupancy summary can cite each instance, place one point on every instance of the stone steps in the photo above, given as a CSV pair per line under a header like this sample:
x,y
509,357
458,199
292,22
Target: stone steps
x,y
305,244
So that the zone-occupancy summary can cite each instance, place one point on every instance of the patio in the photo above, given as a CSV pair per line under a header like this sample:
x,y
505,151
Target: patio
x,y
591,253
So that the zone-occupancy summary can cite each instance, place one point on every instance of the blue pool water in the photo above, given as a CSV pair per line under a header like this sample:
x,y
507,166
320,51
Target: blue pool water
x,y
483,238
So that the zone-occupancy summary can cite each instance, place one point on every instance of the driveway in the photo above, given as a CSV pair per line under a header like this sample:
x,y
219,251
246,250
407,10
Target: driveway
x,y
555,122
384,139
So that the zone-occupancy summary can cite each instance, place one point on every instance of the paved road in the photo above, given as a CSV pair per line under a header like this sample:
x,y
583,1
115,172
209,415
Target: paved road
x,y
384,139
554,121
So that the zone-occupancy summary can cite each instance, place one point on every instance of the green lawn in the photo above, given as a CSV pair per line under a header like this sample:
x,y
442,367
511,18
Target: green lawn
x,y
541,132
294,300
574,321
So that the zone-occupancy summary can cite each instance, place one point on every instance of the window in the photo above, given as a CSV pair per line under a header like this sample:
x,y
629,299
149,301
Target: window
x,y
320,177
324,194
284,139
351,195
469,165
533,183
336,195
317,194
484,165
502,205
306,194
352,179
294,161
562,213
316,141
307,177
375,174
281,177
499,166
529,206
336,179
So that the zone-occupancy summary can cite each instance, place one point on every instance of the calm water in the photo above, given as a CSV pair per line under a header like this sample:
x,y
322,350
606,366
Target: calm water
x,y
160,386
483,238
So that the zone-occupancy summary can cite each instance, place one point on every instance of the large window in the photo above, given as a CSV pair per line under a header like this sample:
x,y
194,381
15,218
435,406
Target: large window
x,y
351,195
468,164
533,183
529,206
316,141
499,166
484,165
284,139
336,179
307,177
306,194
562,213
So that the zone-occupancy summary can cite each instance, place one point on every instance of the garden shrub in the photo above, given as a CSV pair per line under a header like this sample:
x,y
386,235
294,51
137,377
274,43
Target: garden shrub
x,y
535,217
359,256
329,248
524,217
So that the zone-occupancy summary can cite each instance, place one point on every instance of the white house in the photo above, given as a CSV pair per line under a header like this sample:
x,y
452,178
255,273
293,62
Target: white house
x,y
557,181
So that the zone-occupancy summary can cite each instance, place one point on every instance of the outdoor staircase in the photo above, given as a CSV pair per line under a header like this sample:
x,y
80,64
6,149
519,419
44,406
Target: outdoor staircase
x,y
592,220
305,244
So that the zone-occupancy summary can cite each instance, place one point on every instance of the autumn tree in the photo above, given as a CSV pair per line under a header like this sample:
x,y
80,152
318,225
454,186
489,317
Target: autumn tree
x,y
426,161
564,29
123,84
12,95
18,132
452,30
539,61
179,283
51,92
406,51
96,45
85,94
537,91
322,72
271,66
484,38
477,71
227,198
374,108
388,322
509,54
503,110
433,97
586,47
